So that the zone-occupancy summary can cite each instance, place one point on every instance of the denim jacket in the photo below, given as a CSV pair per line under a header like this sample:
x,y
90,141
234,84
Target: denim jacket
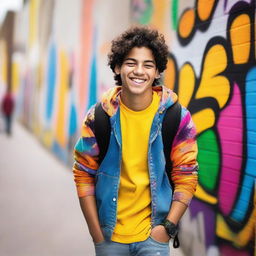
x,y
103,181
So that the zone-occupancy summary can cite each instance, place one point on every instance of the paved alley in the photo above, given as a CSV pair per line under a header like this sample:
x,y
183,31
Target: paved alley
x,y
40,212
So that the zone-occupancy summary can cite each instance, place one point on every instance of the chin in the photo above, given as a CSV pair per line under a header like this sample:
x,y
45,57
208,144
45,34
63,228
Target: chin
x,y
140,89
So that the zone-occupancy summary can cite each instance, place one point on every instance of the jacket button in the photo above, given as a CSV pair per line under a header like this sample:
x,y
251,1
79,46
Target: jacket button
x,y
114,199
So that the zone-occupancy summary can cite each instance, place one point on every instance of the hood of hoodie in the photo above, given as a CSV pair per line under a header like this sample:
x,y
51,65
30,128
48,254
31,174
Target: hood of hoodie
x,y
111,98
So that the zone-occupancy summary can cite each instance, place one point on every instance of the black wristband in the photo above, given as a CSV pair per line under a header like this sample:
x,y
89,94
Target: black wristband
x,y
170,228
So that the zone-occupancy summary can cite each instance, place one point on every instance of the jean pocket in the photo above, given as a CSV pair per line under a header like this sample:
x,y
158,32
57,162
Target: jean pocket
x,y
100,243
158,242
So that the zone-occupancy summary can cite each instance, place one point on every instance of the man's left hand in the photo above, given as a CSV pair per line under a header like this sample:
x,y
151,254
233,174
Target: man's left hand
x,y
159,234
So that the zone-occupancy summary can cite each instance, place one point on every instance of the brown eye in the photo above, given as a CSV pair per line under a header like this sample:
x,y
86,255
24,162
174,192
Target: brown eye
x,y
130,64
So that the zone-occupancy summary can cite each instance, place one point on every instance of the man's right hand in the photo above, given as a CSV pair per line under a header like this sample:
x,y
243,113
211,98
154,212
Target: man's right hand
x,y
89,208
98,238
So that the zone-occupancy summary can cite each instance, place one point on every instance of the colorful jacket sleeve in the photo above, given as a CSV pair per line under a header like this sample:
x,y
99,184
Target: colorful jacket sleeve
x,y
183,155
86,156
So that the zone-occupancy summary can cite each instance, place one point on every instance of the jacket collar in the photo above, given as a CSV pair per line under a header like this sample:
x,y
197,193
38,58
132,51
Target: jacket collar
x,y
111,99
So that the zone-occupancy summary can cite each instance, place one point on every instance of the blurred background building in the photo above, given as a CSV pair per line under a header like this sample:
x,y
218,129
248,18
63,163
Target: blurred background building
x,y
53,56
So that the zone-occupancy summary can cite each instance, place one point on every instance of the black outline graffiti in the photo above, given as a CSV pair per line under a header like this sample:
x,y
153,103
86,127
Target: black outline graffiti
x,y
234,73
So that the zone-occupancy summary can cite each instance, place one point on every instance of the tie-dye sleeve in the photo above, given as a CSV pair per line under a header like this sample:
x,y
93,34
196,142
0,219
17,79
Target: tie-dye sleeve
x,y
184,153
86,155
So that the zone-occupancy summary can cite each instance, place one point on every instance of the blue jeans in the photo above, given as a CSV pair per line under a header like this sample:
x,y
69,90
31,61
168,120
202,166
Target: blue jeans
x,y
149,247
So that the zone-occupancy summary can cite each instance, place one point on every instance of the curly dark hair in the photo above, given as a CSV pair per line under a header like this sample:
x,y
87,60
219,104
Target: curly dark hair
x,y
138,36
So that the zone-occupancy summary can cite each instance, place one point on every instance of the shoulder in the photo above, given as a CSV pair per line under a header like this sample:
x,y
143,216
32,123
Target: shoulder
x,y
89,118
187,125
185,114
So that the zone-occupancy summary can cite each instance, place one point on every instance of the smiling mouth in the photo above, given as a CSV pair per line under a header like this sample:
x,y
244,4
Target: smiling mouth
x,y
138,80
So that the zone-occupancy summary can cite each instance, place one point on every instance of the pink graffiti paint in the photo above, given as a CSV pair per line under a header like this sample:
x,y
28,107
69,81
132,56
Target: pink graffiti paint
x,y
230,129
227,250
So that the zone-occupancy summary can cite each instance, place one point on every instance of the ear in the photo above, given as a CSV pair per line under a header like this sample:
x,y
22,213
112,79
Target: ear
x,y
117,70
157,75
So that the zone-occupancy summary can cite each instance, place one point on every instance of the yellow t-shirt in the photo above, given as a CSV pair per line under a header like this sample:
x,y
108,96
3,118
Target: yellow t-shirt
x,y
134,197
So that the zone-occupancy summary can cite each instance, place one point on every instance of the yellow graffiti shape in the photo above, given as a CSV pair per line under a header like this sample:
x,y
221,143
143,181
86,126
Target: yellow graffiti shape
x,y
187,22
186,84
170,74
240,38
15,77
47,138
204,9
159,13
62,98
3,62
204,196
204,119
239,239
33,21
212,84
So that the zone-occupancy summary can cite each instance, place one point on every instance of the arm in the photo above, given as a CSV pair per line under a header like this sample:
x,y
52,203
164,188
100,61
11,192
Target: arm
x,y
84,169
184,173
89,209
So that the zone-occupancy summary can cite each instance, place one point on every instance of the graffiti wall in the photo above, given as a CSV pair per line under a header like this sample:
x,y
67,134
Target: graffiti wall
x,y
60,61
60,69
212,67
6,41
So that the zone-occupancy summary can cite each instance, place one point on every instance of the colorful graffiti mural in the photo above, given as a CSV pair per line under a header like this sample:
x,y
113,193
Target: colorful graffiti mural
x,y
61,70
57,71
212,67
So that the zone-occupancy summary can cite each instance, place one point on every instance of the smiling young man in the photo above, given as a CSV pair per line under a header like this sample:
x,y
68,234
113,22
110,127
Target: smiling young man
x,y
127,199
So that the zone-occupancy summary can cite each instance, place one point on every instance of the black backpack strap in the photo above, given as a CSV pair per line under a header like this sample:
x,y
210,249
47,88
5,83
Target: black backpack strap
x,y
102,130
170,127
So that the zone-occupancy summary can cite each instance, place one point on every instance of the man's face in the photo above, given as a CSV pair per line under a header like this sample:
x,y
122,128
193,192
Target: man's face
x,y
138,71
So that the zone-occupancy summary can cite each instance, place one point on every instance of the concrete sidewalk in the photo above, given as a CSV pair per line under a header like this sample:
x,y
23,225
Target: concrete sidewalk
x,y
40,213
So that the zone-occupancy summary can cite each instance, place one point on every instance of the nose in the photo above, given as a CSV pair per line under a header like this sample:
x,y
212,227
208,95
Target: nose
x,y
138,70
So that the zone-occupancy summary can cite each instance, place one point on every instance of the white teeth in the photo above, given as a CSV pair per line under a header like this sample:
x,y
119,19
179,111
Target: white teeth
x,y
139,81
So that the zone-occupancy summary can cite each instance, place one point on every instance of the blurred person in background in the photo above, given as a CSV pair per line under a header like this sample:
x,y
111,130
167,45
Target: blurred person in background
x,y
7,110
127,197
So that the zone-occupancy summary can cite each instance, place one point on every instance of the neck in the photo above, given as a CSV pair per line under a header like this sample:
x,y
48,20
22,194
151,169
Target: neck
x,y
137,102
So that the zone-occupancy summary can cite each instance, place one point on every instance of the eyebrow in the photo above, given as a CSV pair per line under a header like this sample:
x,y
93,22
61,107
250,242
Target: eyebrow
x,y
132,59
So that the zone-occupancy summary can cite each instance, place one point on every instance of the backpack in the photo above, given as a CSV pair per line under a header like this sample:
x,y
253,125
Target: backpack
x,y
169,129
